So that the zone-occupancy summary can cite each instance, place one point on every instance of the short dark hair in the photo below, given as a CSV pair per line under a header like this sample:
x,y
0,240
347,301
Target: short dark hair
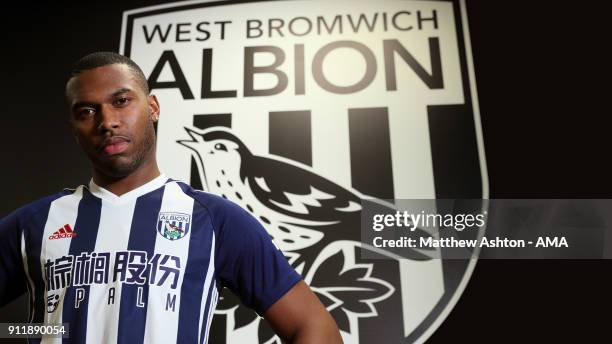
x,y
103,58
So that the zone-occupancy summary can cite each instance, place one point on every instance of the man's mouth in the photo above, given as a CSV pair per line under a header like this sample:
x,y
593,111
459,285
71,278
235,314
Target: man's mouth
x,y
114,145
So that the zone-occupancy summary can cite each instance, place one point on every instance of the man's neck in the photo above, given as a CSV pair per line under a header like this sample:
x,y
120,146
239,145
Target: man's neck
x,y
122,185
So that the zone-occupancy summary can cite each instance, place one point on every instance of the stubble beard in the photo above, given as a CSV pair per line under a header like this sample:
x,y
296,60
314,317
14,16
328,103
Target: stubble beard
x,y
144,150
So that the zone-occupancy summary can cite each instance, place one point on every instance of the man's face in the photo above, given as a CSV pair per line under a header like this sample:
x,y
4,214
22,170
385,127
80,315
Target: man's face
x,y
112,119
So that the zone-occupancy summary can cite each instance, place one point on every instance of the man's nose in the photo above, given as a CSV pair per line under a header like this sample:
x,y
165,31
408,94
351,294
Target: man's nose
x,y
109,119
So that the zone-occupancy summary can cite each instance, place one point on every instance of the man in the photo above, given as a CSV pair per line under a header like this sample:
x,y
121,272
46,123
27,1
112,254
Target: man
x,y
135,256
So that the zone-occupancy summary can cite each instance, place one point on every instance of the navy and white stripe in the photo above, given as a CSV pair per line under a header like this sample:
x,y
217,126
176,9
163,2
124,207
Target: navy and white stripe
x,y
87,221
163,304
197,285
103,326
62,211
132,319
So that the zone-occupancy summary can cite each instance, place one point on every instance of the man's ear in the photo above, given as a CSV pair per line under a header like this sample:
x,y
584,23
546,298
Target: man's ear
x,y
153,108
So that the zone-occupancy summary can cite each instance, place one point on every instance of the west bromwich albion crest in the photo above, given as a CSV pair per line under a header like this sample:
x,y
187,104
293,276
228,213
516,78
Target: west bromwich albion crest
x,y
173,226
298,110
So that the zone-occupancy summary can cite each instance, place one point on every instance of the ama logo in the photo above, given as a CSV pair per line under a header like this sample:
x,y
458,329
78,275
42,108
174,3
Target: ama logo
x,y
299,110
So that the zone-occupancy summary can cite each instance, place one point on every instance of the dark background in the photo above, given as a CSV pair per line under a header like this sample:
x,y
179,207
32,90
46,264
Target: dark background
x,y
542,88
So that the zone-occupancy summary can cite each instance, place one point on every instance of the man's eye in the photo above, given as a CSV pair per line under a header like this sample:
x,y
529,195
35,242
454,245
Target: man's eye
x,y
86,112
121,101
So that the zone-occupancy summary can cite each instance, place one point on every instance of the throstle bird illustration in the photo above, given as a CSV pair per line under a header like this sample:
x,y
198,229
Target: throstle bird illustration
x,y
301,210
306,214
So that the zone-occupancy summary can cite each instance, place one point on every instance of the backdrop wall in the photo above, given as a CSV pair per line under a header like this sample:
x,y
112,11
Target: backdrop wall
x,y
539,135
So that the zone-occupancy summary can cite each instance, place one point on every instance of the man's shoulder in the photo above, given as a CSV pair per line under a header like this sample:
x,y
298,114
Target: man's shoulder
x,y
35,207
217,206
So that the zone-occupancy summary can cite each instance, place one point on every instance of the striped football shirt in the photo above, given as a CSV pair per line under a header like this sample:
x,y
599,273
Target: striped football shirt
x,y
143,267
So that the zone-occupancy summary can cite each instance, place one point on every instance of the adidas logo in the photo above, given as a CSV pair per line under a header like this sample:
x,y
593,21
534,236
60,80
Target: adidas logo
x,y
64,232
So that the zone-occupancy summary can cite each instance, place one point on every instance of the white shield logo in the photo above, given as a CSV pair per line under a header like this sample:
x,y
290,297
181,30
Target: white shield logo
x,y
173,226
298,110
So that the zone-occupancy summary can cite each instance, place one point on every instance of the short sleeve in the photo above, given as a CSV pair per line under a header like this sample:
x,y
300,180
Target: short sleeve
x,y
249,263
12,275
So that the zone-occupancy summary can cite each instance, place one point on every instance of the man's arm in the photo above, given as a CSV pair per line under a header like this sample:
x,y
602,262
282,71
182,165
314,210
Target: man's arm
x,y
252,267
299,317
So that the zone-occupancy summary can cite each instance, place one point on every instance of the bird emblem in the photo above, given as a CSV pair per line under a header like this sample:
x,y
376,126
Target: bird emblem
x,y
301,210
173,228
173,231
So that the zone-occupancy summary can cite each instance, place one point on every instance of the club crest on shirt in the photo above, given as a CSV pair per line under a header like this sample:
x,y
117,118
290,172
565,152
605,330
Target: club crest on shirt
x,y
173,226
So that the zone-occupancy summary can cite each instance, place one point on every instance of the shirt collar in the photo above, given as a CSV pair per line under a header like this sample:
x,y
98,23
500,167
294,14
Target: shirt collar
x,y
106,195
